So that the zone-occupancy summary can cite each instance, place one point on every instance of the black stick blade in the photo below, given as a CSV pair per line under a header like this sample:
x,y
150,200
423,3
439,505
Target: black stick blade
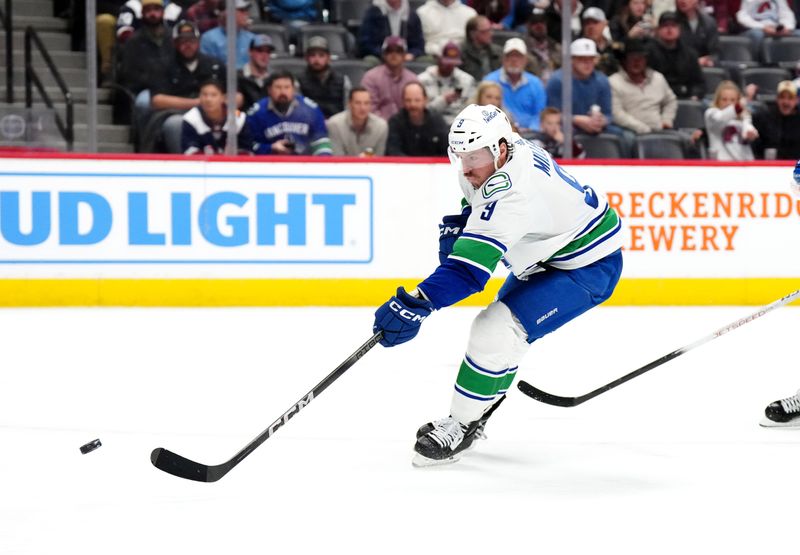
x,y
547,398
172,463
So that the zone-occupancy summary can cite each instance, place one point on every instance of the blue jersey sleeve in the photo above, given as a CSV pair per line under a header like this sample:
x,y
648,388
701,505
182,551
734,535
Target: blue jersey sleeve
x,y
319,141
452,282
257,124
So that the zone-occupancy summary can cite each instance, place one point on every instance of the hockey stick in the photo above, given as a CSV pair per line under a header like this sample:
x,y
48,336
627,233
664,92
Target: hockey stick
x,y
557,400
179,466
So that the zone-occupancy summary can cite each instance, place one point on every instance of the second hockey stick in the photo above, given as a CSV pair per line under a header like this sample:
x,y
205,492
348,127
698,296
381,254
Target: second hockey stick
x,y
179,466
559,401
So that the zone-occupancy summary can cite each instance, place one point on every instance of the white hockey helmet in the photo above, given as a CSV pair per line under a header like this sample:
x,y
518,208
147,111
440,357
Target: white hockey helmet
x,y
477,127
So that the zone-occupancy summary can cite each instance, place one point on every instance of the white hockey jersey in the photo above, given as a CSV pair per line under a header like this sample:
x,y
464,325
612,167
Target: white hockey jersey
x,y
530,213
533,212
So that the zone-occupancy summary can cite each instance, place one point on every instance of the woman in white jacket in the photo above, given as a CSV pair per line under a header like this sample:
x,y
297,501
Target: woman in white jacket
x,y
728,125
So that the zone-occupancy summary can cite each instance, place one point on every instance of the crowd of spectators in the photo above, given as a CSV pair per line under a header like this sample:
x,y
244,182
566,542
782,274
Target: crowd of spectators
x,y
635,65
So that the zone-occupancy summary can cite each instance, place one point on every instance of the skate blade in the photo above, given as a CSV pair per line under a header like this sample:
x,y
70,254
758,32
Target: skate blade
x,y
420,461
767,423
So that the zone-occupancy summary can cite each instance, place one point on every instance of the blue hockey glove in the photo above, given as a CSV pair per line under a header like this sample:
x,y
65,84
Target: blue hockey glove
x,y
400,318
450,230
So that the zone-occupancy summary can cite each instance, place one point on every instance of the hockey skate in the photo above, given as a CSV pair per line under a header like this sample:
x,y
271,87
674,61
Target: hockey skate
x,y
783,414
479,431
444,441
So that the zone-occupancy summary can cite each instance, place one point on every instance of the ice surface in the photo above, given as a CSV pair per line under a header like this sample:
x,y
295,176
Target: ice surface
x,y
672,462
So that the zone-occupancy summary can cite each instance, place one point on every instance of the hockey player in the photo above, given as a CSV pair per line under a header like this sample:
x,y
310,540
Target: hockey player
x,y
560,240
783,414
786,412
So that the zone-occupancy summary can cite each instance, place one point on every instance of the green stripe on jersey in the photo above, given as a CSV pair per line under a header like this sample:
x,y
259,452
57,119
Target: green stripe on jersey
x,y
482,254
481,384
609,222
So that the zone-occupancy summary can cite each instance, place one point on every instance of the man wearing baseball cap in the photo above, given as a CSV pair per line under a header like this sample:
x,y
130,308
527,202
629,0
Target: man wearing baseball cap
x,y
643,100
252,78
136,14
178,88
446,86
779,125
145,55
672,57
321,83
385,82
523,92
591,92
545,51
215,42
594,26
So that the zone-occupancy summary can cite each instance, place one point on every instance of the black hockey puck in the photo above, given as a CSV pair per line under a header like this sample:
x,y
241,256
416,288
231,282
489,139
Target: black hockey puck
x,y
91,446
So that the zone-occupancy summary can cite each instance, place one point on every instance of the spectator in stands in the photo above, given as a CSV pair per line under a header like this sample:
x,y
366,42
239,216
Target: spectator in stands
x,y
204,13
177,89
550,135
544,53
494,10
136,14
523,92
521,10
143,57
319,82
292,13
205,127
284,124
724,13
676,60
447,87
390,18
415,130
728,125
385,83
595,27
699,30
766,18
215,42
591,92
105,22
488,92
443,21
356,131
554,17
641,98
779,125
479,55
633,22
252,78
106,13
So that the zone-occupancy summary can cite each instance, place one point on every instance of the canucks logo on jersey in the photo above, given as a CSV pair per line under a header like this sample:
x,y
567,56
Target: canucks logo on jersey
x,y
498,182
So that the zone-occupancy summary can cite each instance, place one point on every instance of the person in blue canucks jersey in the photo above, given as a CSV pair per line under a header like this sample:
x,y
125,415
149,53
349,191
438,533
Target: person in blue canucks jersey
x,y
560,240
286,123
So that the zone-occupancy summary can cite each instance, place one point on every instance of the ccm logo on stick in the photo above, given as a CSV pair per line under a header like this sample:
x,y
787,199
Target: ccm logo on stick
x,y
301,404
405,313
